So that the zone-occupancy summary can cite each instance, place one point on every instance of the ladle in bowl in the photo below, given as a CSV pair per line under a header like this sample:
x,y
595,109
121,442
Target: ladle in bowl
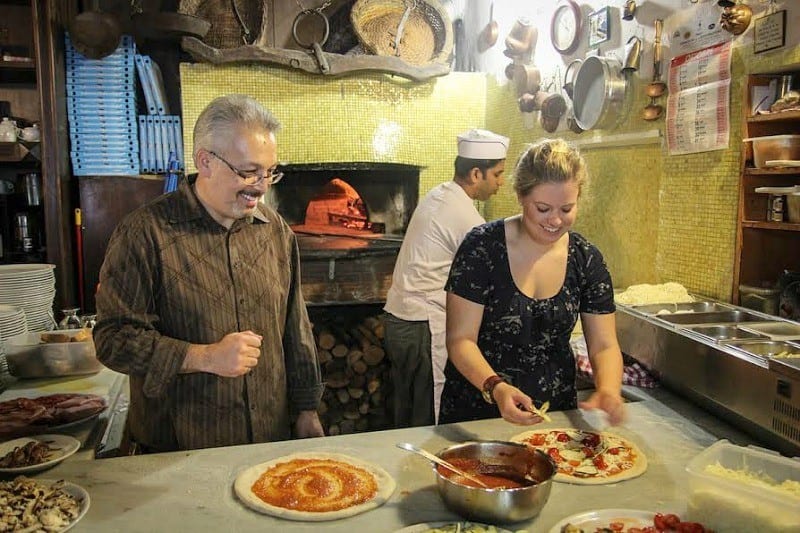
x,y
652,111
439,461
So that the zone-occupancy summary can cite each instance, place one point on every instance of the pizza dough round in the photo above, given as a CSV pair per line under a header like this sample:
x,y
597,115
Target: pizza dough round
x,y
637,469
244,482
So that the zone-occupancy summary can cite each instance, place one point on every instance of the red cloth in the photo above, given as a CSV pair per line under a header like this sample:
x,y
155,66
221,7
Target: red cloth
x,y
632,372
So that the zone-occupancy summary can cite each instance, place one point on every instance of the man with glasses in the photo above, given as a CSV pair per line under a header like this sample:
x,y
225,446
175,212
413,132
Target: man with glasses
x,y
415,304
200,304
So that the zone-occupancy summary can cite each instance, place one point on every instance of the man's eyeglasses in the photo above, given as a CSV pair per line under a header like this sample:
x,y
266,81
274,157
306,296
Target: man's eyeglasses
x,y
271,177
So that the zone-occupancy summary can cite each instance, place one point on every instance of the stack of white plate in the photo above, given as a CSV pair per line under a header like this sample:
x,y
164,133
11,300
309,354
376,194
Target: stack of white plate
x,y
12,321
33,288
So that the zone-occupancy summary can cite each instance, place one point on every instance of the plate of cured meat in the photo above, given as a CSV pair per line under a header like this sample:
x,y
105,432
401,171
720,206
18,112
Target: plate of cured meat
x,y
29,416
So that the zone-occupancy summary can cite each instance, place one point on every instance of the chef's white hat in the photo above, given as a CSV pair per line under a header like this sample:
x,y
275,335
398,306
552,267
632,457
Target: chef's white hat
x,y
482,144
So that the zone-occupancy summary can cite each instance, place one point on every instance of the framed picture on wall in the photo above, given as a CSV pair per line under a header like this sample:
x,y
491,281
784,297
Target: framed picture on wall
x,y
599,29
769,32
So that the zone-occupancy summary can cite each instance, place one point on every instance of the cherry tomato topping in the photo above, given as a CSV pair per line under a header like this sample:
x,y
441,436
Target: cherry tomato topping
x,y
659,522
617,526
588,452
613,451
672,520
538,439
553,453
563,437
599,462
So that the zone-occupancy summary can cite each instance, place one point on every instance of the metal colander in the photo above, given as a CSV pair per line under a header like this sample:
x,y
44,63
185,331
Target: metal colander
x,y
426,32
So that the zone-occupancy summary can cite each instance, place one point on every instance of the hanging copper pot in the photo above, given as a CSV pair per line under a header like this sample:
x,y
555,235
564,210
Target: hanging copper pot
x,y
736,19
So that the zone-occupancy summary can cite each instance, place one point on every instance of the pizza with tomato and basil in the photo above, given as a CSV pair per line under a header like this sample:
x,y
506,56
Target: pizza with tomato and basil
x,y
587,457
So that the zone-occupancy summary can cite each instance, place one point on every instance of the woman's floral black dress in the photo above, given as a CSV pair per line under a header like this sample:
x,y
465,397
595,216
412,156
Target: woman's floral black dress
x,y
525,340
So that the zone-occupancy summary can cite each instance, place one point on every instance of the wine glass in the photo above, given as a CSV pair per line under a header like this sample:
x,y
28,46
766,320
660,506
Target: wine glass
x,y
70,320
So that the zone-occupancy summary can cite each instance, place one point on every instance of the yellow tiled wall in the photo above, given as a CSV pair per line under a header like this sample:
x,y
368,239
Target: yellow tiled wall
x,y
372,118
655,217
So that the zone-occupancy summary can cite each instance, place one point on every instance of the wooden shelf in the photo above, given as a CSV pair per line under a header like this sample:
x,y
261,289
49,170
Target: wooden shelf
x,y
764,249
17,72
763,224
783,116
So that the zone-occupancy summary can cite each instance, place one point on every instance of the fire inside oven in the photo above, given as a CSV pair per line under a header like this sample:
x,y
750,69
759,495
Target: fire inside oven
x,y
356,198
339,207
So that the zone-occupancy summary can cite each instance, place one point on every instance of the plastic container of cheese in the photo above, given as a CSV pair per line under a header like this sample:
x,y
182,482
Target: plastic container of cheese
x,y
743,489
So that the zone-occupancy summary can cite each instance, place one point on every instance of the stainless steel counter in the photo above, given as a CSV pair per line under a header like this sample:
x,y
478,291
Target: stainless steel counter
x,y
192,491
705,356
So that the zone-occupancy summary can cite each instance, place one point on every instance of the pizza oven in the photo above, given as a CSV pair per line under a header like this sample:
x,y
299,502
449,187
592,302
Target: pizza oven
x,y
349,219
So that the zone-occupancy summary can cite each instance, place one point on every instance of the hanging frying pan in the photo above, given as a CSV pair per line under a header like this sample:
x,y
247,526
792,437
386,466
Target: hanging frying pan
x,y
94,33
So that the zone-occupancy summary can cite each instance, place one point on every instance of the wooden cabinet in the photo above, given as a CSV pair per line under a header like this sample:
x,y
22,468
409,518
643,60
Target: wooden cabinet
x,y
36,90
764,248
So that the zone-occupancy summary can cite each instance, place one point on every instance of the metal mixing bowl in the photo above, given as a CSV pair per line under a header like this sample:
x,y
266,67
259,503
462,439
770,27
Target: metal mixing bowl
x,y
498,505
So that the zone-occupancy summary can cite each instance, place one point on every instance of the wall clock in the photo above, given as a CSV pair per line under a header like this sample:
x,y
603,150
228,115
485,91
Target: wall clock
x,y
565,27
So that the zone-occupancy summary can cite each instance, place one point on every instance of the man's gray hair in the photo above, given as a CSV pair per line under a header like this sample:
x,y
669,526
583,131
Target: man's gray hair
x,y
218,122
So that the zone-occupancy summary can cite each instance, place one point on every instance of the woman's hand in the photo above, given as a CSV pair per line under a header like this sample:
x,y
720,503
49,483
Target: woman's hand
x,y
514,405
611,403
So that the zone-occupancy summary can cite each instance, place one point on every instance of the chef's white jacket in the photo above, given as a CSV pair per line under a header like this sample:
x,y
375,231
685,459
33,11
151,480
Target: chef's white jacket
x,y
440,222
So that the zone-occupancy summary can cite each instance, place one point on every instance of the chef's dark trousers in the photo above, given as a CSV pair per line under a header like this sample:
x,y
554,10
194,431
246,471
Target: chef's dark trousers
x,y
408,347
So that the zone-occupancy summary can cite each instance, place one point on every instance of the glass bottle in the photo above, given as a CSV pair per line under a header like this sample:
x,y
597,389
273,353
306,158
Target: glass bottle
x,y
70,320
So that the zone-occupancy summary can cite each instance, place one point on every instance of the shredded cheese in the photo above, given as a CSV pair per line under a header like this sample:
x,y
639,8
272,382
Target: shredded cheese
x,y
757,479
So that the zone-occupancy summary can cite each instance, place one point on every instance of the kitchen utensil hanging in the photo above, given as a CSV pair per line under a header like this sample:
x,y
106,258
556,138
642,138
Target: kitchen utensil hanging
x,y
599,93
657,87
488,36
94,33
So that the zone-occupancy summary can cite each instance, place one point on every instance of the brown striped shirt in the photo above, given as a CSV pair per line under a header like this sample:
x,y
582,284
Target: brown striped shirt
x,y
173,276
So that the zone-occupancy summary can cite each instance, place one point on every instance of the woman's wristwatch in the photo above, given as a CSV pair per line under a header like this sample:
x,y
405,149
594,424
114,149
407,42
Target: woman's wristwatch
x,y
489,385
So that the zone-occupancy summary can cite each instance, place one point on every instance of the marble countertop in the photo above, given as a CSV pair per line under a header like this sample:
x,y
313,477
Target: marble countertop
x,y
192,491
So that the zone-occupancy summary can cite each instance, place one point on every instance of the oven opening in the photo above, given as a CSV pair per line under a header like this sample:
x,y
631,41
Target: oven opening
x,y
339,208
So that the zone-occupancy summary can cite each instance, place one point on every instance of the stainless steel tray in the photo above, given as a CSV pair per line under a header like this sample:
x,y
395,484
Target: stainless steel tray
x,y
765,349
722,317
684,308
725,332
776,330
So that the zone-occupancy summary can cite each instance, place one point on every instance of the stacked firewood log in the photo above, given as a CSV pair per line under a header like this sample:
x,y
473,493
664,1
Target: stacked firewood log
x,y
356,374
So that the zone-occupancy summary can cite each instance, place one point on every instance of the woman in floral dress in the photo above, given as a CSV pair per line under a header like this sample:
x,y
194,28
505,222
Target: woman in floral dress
x,y
516,290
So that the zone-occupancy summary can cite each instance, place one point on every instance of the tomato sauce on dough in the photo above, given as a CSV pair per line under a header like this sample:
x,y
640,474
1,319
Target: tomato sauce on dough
x,y
315,485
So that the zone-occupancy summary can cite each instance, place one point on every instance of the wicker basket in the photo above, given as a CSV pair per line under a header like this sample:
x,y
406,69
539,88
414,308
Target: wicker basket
x,y
226,31
427,34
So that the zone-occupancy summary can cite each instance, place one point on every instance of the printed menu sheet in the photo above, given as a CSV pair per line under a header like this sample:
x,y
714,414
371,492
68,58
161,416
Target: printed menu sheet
x,y
698,116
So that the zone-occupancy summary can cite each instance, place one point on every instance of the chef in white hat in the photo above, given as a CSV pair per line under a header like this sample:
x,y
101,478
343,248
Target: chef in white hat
x,y
415,303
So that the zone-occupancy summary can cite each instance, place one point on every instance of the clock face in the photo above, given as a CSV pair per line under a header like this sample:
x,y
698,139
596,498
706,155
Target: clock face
x,y
565,27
